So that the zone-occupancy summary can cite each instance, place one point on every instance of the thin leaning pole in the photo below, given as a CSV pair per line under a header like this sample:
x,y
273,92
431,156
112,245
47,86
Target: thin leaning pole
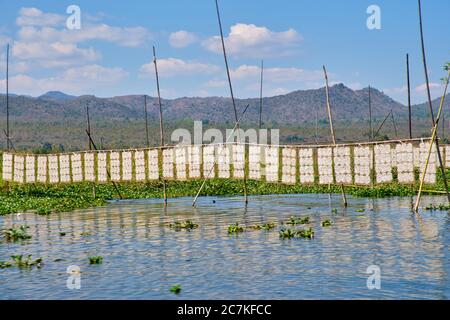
x,y
330,117
430,104
395,124
382,123
231,91
215,160
409,96
433,138
161,125
370,115
88,129
8,140
261,94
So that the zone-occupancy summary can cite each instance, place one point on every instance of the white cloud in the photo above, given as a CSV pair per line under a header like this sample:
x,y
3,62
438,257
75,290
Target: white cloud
x,y
44,41
276,75
423,87
53,54
35,17
249,40
82,80
122,36
277,80
176,67
182,39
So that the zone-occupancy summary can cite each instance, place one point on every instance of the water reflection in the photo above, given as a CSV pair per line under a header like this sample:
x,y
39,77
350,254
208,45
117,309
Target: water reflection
x,y
143,257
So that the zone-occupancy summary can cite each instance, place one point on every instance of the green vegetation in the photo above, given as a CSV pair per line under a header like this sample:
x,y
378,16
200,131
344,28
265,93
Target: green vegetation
x,y
439,207
265,226
360,210
235,228
5,264
46,199
298,220
175,289
22,263
95,260
16,233
187,225
302,233
326,223
62,234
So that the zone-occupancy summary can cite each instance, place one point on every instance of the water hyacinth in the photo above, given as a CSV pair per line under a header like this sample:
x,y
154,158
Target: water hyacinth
x,y
175,289
27,262
439,207
16,233
265,226
302,233
298,220
326,223
188,225
95,260
235,228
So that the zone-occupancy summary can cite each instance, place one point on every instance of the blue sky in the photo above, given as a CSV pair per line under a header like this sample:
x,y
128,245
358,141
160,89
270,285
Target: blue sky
x,y
112,52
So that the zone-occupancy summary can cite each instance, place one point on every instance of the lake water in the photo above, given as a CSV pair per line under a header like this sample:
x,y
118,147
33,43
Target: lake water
x,y
143,258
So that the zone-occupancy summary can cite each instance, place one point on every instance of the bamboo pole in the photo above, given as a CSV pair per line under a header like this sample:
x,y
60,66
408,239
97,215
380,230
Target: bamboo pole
x,y
430,104
382,123
261,94
7,98
7,138
370,115
88,129
395,125
146,121
161,125
231,91
330,117
433,138
317,128
409,96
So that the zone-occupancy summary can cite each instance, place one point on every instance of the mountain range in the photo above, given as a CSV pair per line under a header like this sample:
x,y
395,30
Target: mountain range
x,y
293,108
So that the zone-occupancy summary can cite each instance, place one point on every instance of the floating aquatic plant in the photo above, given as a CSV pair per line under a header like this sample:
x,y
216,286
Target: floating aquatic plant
x,y
439,207
27,262
16,233
188,225
235,228
360,210
265,226
5,264
306,233
62,234
95,260
302,233
175,289
326,223
334,211
287,233
298,220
